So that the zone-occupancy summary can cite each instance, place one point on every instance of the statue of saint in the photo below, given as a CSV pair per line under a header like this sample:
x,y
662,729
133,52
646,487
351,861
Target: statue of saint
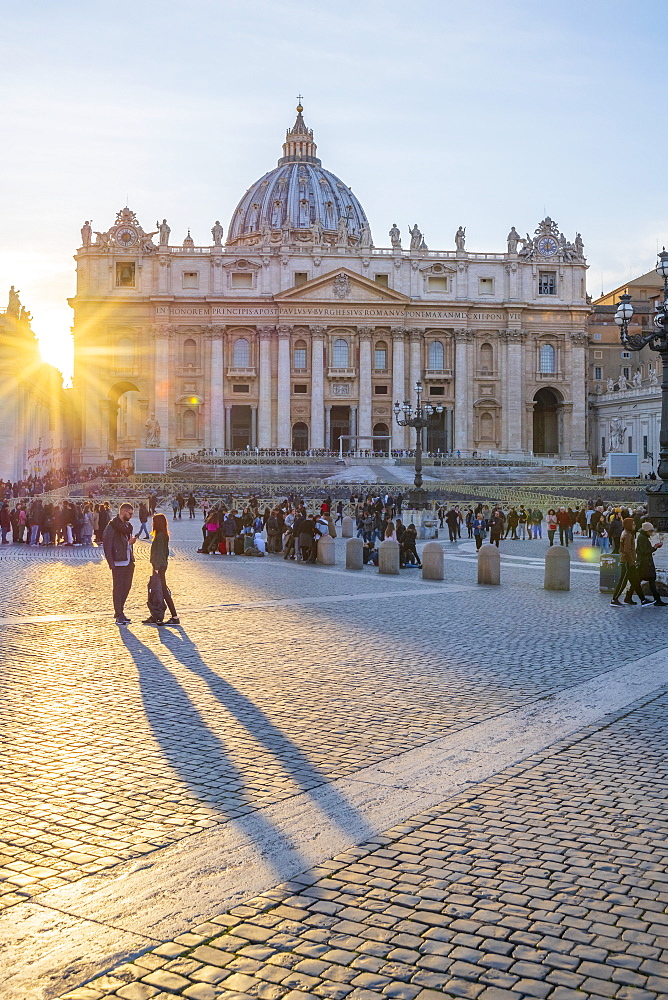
x,y
653,377
342,231
14,304
152,426
365,236
610,385
460,238
395,237
622,382
513,240
164,231
527,247
266,233
617,434
579,246
317,233
285,232
416,237
86,234
217,233
637,380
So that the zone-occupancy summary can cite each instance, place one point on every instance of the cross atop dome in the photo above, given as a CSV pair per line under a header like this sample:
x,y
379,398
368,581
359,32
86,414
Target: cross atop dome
x,y
299,145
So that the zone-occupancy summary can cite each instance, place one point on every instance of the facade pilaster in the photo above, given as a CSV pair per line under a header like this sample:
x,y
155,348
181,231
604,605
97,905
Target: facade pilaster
x,y
317,388
578,441
513,409
264,388
328,427
254,421
463,374
228,428
284,436
416,341
365,399
163,334
398,384
216,407
353,427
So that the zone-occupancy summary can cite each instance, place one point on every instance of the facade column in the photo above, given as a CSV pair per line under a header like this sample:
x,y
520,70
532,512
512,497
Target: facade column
x,y
161,384
228,428
264,388
578,442
398,385
216,408
463,338
254,411
511,415
317,388
416,341
365,400
354,446
284,436
328,428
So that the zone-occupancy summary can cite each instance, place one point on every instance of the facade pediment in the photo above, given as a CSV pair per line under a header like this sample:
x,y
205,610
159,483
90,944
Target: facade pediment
x,y
342,286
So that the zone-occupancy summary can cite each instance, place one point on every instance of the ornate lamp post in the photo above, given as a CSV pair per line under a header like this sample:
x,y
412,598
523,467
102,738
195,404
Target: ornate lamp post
x,y
656,340
419,418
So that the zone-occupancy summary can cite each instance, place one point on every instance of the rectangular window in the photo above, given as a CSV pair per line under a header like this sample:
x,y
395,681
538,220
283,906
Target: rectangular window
x,y
626,354
437,284
626,372
598,354
597,336
380,390
301,277
547,282
241,279
191,279
598,373
300,358
485,286
382,279
300,388
380,359
437,390
240,388
125,274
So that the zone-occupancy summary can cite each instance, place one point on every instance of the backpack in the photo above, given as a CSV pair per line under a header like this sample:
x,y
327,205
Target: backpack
x,y
272,524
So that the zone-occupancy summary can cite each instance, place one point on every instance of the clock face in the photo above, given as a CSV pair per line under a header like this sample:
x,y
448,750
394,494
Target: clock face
x,y
126,236
547,246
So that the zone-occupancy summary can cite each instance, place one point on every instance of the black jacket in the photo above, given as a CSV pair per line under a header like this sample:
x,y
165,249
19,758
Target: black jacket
x,y
115,541
645,557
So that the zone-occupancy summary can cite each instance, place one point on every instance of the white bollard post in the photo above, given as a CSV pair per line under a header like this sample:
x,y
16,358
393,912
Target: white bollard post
x,y
354,553
489,565
326,551
557,568
347,527
432,561
388,557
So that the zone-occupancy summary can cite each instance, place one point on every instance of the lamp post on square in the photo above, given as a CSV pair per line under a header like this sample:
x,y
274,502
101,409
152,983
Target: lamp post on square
x,y
419,418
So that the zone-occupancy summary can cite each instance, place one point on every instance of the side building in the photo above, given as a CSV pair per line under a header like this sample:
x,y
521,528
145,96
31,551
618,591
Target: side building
x,y
33,418
297,332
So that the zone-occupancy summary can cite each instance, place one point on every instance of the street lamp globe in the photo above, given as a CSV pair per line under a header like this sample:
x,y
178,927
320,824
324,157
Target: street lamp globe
x,y
624,310
662,266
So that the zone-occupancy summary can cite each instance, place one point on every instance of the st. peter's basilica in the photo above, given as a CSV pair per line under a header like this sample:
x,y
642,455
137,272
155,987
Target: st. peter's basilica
x,y
297,331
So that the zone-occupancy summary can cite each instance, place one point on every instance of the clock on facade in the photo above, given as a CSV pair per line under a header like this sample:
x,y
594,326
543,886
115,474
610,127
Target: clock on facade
x,y
547,246
126,236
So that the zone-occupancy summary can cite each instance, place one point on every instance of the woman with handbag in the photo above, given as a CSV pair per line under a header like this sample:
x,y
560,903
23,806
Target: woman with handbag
x,y
159,559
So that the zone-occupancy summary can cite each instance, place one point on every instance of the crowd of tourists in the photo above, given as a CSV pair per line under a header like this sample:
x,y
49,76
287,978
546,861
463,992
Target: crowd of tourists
x,y
35,485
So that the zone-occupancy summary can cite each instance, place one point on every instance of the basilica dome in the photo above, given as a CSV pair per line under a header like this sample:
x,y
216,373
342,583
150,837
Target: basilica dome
x,y
299,195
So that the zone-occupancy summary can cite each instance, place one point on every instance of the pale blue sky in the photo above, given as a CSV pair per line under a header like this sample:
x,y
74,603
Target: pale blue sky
x,y
486,114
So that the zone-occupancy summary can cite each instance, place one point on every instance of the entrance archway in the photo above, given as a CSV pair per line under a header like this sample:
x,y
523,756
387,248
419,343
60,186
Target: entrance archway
x,y
241,428
547,403
380,439
299,437
124,429
339,427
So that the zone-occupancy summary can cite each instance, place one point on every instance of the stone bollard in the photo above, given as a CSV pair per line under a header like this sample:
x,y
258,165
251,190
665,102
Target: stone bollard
x,y
557,568
432,561
332,527
388,557
354,550
489,565
326,551
347,527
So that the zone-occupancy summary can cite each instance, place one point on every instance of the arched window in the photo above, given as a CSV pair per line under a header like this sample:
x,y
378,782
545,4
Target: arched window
x,y
125,354
190,352
436,356
547,359
487,358
241,354
340,353
189,424
380,356
299,356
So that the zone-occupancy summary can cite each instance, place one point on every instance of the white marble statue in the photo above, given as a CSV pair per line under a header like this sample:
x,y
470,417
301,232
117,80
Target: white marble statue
x,y
164,231
617,434
86,234
217,233
152,426
610,385
460,238
395,237
416,237
622,382
513,240
637,380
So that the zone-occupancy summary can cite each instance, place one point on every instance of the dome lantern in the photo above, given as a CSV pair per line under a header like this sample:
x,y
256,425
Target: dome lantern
x,y
299,146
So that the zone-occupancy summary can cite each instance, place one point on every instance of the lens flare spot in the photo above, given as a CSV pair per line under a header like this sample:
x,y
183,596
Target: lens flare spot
x,y
588,553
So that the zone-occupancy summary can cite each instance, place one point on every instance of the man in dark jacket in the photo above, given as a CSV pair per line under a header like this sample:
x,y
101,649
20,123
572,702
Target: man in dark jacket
x,y
117,541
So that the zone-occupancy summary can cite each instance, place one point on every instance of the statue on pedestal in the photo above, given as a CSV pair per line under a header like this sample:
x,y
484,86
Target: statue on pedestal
x,y
365,236
513,240
152,426
164,231
317,233
395,237
622,382
617,434
416,237
86,234
342,231
217,233
460,238
14,304
637,380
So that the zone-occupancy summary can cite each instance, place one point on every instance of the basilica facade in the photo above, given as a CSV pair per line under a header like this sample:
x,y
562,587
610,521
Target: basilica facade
x,y
293,330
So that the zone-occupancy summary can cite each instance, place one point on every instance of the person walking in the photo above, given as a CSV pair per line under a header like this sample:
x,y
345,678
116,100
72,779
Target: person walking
x,y
479,529
192,503
117,542
159,559
143,518
551,521
645,568
564,522
627,561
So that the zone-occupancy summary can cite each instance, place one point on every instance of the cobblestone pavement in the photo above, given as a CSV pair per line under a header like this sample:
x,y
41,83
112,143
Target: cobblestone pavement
x,y
116,743
548,881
